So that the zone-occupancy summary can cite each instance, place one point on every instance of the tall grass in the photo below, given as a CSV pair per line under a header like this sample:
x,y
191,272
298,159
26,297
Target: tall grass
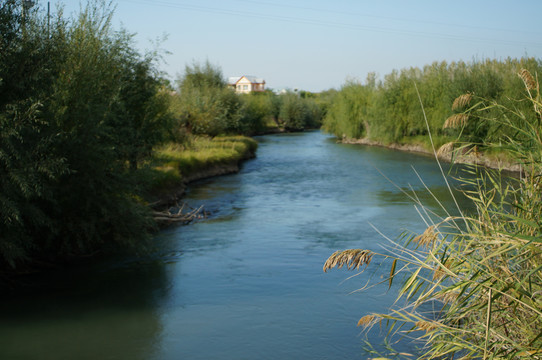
x,y
482,272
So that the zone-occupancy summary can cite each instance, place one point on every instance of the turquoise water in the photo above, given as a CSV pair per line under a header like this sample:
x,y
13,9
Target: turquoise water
x,y
246,283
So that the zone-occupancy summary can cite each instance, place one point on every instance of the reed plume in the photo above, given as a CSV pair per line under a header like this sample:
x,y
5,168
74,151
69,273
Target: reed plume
x,y
351,258
367,321
455,121
426,325
461,101
528,79
428,237
446,149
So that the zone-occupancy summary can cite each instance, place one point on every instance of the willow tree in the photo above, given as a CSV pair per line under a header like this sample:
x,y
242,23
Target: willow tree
x,y
67,105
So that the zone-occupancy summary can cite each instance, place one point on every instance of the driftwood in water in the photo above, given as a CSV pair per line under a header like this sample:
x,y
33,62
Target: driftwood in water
x,y
178,214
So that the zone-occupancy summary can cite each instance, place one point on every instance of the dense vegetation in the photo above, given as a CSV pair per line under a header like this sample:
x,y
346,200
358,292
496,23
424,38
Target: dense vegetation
x,y
472,285
208,106
79,109
389,110
88,126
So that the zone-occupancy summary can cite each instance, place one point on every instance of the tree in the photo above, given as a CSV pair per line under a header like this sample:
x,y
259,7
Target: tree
x,y
144,117
77,104
293,112
29,165
256,108
208,106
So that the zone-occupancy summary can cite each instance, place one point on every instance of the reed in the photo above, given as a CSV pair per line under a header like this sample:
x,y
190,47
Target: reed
x,y
528,79
482,272
456,121
462,101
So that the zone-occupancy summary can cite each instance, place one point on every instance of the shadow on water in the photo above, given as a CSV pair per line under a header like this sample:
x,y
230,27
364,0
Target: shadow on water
x,y
99,313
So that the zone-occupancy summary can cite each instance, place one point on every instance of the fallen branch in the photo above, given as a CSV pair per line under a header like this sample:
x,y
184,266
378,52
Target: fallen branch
x,y
177,214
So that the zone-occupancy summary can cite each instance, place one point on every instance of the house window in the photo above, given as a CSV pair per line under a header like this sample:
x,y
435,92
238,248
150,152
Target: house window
x,y
245,87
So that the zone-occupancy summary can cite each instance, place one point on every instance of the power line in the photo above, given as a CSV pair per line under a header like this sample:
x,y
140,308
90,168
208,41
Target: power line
x,y
327,23
329,11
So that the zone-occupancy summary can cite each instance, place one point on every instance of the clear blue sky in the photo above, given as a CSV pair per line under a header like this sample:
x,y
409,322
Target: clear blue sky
x,y
315,45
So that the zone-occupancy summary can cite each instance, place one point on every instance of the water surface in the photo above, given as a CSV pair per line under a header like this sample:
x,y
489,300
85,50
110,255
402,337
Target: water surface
x,y
247,283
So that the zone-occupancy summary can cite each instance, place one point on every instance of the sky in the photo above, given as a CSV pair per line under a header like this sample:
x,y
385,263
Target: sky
x,y
316,45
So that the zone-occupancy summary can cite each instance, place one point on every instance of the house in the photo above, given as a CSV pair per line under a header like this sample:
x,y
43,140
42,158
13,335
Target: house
x,y
246,84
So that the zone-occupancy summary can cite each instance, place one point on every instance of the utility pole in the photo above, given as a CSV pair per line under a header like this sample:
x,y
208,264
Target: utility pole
x,y
27,4
48,19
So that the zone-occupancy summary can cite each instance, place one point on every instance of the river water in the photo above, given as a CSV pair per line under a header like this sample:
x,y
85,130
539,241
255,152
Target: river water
x,y
247,283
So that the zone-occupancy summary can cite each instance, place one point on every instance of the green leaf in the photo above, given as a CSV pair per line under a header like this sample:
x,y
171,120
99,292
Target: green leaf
x,y
392,272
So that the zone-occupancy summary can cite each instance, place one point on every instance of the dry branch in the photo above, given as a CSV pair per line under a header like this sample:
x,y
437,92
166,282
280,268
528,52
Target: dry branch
x,y
177,214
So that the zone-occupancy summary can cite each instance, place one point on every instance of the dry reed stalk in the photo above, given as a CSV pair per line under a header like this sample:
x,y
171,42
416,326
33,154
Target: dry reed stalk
x,y
447,297
439,272
428,237
445,149
425,326
461,101
456,120
367,321
528,79
352,258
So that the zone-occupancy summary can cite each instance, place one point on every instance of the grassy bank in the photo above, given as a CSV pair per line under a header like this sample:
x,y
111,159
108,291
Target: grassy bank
x,y
174,165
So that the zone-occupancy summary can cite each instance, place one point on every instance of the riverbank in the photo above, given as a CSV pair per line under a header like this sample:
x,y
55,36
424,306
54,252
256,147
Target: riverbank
x,y
445,153
176,166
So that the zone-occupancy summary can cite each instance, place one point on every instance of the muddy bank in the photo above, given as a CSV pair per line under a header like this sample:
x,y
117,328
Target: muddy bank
x,y
445,153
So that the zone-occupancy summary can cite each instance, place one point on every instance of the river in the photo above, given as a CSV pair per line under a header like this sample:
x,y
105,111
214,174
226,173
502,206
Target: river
x,y
247,283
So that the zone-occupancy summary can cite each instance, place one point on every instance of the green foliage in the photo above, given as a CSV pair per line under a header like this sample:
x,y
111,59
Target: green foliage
x,y
144,116
388,110
256,109
297,113
77,105
207,105
293,112
346,116
481,272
